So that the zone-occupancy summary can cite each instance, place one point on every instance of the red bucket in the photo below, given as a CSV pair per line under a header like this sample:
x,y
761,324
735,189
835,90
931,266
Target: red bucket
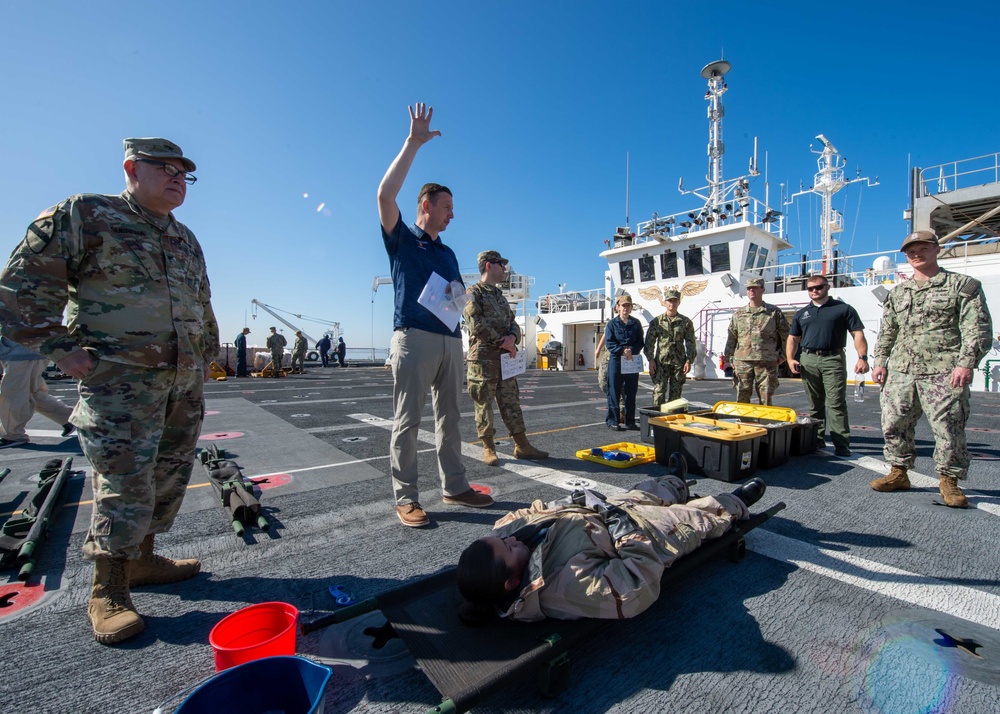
x,y
264,630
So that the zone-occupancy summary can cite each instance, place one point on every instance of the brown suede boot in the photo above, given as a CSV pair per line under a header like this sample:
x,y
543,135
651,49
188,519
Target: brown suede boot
x,y
951,493
490,452
524,450
110,611
151,569
895,480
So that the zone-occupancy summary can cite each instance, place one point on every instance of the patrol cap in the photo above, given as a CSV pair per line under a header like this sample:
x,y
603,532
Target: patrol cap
x,y
672,295
156,148
919,237
623,299
755,283
490,256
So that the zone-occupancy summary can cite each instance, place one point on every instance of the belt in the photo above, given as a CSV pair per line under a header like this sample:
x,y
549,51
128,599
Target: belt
x,y
824,353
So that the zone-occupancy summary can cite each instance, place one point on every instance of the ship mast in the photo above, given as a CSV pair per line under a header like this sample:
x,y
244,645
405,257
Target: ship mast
x,y
715,73
827,182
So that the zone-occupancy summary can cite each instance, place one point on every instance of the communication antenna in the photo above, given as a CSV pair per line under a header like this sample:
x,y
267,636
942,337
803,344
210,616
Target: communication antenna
x,y
626,189
715,73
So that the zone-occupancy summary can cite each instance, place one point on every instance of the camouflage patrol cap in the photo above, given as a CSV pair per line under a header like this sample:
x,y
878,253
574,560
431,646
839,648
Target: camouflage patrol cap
x,y
156,148
672,295
755,283
919,237
489,256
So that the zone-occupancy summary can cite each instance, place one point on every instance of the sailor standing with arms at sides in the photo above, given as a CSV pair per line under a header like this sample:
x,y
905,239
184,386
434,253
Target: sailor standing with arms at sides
x,y
493,332
241,353
425,354
670,348
276,345
820,329
139,335
756,345
936,328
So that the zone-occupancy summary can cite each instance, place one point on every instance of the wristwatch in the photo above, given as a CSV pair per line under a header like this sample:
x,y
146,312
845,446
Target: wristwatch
x,y
863,358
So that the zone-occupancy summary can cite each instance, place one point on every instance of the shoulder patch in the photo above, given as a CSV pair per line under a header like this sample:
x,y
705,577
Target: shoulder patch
x,y
970,287
40,232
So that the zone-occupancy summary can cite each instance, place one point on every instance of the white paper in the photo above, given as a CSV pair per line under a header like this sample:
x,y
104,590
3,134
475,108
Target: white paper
x,y
632,366
435,298
513,366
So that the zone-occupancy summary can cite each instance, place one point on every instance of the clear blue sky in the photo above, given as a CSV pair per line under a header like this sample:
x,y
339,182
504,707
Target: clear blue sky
x,y
538,103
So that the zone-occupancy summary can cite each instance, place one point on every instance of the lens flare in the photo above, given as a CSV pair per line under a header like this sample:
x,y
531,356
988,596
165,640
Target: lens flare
x,y
320,207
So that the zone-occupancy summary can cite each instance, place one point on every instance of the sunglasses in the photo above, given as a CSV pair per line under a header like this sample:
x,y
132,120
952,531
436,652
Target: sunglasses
x,y
817,288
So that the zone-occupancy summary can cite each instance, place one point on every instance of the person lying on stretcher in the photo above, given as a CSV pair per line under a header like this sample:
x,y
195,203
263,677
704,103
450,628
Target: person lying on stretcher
x,y
590,556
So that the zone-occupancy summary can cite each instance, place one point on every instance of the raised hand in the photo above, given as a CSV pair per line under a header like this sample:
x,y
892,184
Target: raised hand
x,y
420,123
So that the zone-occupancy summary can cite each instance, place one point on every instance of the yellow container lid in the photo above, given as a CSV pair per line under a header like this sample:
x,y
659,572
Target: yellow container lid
x,y
755,411
710,428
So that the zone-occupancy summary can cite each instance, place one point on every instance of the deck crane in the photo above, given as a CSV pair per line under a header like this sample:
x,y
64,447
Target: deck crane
x,y
312,355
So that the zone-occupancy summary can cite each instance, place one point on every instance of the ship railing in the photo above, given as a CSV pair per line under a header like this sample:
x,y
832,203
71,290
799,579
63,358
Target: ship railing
x,y
964,173
571,302
736,211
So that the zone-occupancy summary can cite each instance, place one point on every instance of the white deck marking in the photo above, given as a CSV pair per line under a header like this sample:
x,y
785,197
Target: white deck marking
x,y
967,603
559,479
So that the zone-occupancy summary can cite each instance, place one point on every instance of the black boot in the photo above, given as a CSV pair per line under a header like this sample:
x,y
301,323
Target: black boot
x,y
751,491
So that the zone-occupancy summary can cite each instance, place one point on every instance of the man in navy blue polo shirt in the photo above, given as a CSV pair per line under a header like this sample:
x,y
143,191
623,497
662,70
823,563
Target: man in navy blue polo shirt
x,y
424,353
820,330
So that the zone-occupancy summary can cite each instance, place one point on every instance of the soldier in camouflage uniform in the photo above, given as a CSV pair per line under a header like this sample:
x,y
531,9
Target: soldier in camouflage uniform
x,y
492,331
670,348
139,334
276,345
299,352
756,345
936,328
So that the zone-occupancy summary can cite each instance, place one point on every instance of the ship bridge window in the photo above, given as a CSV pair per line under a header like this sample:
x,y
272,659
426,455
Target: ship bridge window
x,y
668,265
751,257
718,254
647,268
761,257
692,261
626,271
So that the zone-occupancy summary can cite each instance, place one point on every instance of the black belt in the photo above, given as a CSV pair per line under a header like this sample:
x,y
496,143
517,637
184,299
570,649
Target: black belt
x,y
824,353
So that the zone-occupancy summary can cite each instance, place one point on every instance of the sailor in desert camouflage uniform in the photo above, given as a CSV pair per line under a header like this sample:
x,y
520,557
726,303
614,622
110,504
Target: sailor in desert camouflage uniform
x,y
139,335
936,328
492,331
670,348
756,345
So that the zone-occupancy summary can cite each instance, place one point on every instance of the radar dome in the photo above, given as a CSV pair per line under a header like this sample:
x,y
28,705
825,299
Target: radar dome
x,y
882,264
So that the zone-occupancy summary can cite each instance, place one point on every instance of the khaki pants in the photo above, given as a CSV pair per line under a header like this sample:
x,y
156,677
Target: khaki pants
x,y
23,391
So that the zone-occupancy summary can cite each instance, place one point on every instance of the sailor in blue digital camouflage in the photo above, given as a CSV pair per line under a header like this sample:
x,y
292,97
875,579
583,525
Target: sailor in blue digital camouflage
x,y
299,352
670,348
276,345
756,346
936,327
492,332
139,334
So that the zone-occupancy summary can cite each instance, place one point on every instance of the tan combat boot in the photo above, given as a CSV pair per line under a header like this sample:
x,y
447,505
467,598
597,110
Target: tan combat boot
x,y
151,569
951,493
895,480
490,452
524,450
110,611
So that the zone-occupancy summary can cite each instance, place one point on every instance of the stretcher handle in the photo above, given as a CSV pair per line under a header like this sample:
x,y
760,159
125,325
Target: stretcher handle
x,y
342,615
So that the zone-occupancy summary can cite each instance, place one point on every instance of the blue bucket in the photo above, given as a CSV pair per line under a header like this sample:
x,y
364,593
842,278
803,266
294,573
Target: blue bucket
x,y
293,685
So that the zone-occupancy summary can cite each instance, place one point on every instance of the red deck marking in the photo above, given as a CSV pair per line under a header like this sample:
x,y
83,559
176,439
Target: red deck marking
x,y
210,413
220,436
981,429
273,481
858,427
19,596
481,488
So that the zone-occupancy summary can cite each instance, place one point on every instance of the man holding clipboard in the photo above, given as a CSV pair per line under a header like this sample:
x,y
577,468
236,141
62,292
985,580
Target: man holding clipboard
x,y
425,353
493,338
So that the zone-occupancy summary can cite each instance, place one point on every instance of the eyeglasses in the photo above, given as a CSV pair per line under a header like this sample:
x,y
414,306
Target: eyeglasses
x,y
625,304
171,170
817,288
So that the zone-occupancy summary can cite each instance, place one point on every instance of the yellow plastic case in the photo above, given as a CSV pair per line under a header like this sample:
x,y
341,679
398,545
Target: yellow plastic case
x,y
642,455
755,411
715,429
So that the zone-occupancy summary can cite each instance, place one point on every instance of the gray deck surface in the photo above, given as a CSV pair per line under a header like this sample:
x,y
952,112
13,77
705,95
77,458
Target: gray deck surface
x,y
834,609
